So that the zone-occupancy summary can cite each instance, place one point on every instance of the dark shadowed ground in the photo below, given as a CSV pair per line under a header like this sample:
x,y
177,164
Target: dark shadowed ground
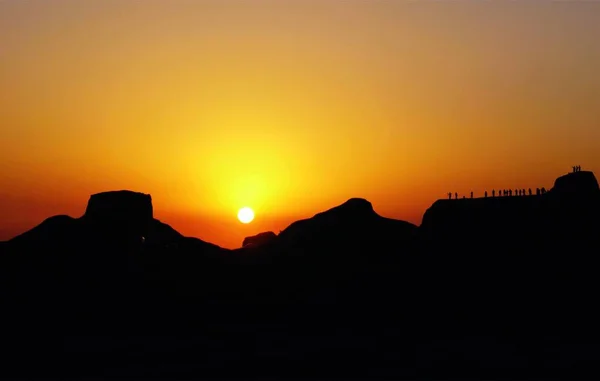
x,y
501,287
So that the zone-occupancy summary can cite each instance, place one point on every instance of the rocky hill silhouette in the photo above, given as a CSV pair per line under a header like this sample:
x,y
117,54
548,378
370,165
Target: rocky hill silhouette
x,y
569,209
485,287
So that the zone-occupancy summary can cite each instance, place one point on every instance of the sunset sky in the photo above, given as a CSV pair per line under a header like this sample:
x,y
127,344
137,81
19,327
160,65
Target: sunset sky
x,y
289,106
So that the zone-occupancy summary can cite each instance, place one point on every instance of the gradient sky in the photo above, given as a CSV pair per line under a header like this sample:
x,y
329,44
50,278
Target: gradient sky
x,y
289,106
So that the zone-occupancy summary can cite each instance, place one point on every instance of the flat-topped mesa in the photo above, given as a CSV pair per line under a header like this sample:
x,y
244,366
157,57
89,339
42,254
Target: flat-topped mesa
x,y
124,212
574,184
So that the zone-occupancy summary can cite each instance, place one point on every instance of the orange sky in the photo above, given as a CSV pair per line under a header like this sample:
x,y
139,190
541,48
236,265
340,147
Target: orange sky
x,y
290,107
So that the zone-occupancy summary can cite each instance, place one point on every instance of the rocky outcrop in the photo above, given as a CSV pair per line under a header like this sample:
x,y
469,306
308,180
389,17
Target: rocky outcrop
x,y
120,213
259,240
116,219
572,205
353,223
354,208
576,184
117,205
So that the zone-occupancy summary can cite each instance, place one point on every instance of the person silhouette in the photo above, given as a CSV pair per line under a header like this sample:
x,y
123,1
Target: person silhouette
x,y
449,195
485,194
530,191
456,196
493,193
579,168
510,192
574,168
543,190
537,191
471,194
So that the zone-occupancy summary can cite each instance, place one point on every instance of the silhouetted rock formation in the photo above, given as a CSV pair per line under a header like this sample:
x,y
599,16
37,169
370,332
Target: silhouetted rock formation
x,y
119,219
494,287
120,205
572,205
352,224
120,214
576,184
259,239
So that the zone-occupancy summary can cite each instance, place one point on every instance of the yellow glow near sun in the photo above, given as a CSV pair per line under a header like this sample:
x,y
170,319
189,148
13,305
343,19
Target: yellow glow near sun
x,y
246,215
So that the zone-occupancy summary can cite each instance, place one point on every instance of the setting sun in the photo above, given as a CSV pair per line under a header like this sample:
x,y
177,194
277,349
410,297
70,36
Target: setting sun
x,y
246,215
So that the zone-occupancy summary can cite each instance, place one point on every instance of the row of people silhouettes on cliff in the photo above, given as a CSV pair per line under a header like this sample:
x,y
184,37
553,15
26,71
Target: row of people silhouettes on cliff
x,y
505,193
576,168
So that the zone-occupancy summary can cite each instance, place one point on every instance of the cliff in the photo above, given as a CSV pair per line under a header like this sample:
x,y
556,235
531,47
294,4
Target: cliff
x,y
122,213
572,205
577,184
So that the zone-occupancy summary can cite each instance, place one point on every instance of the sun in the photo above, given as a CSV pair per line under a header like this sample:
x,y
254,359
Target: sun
x,y
246,215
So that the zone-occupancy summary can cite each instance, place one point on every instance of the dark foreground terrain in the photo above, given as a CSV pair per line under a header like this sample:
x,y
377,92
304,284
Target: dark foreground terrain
x,y
484,288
